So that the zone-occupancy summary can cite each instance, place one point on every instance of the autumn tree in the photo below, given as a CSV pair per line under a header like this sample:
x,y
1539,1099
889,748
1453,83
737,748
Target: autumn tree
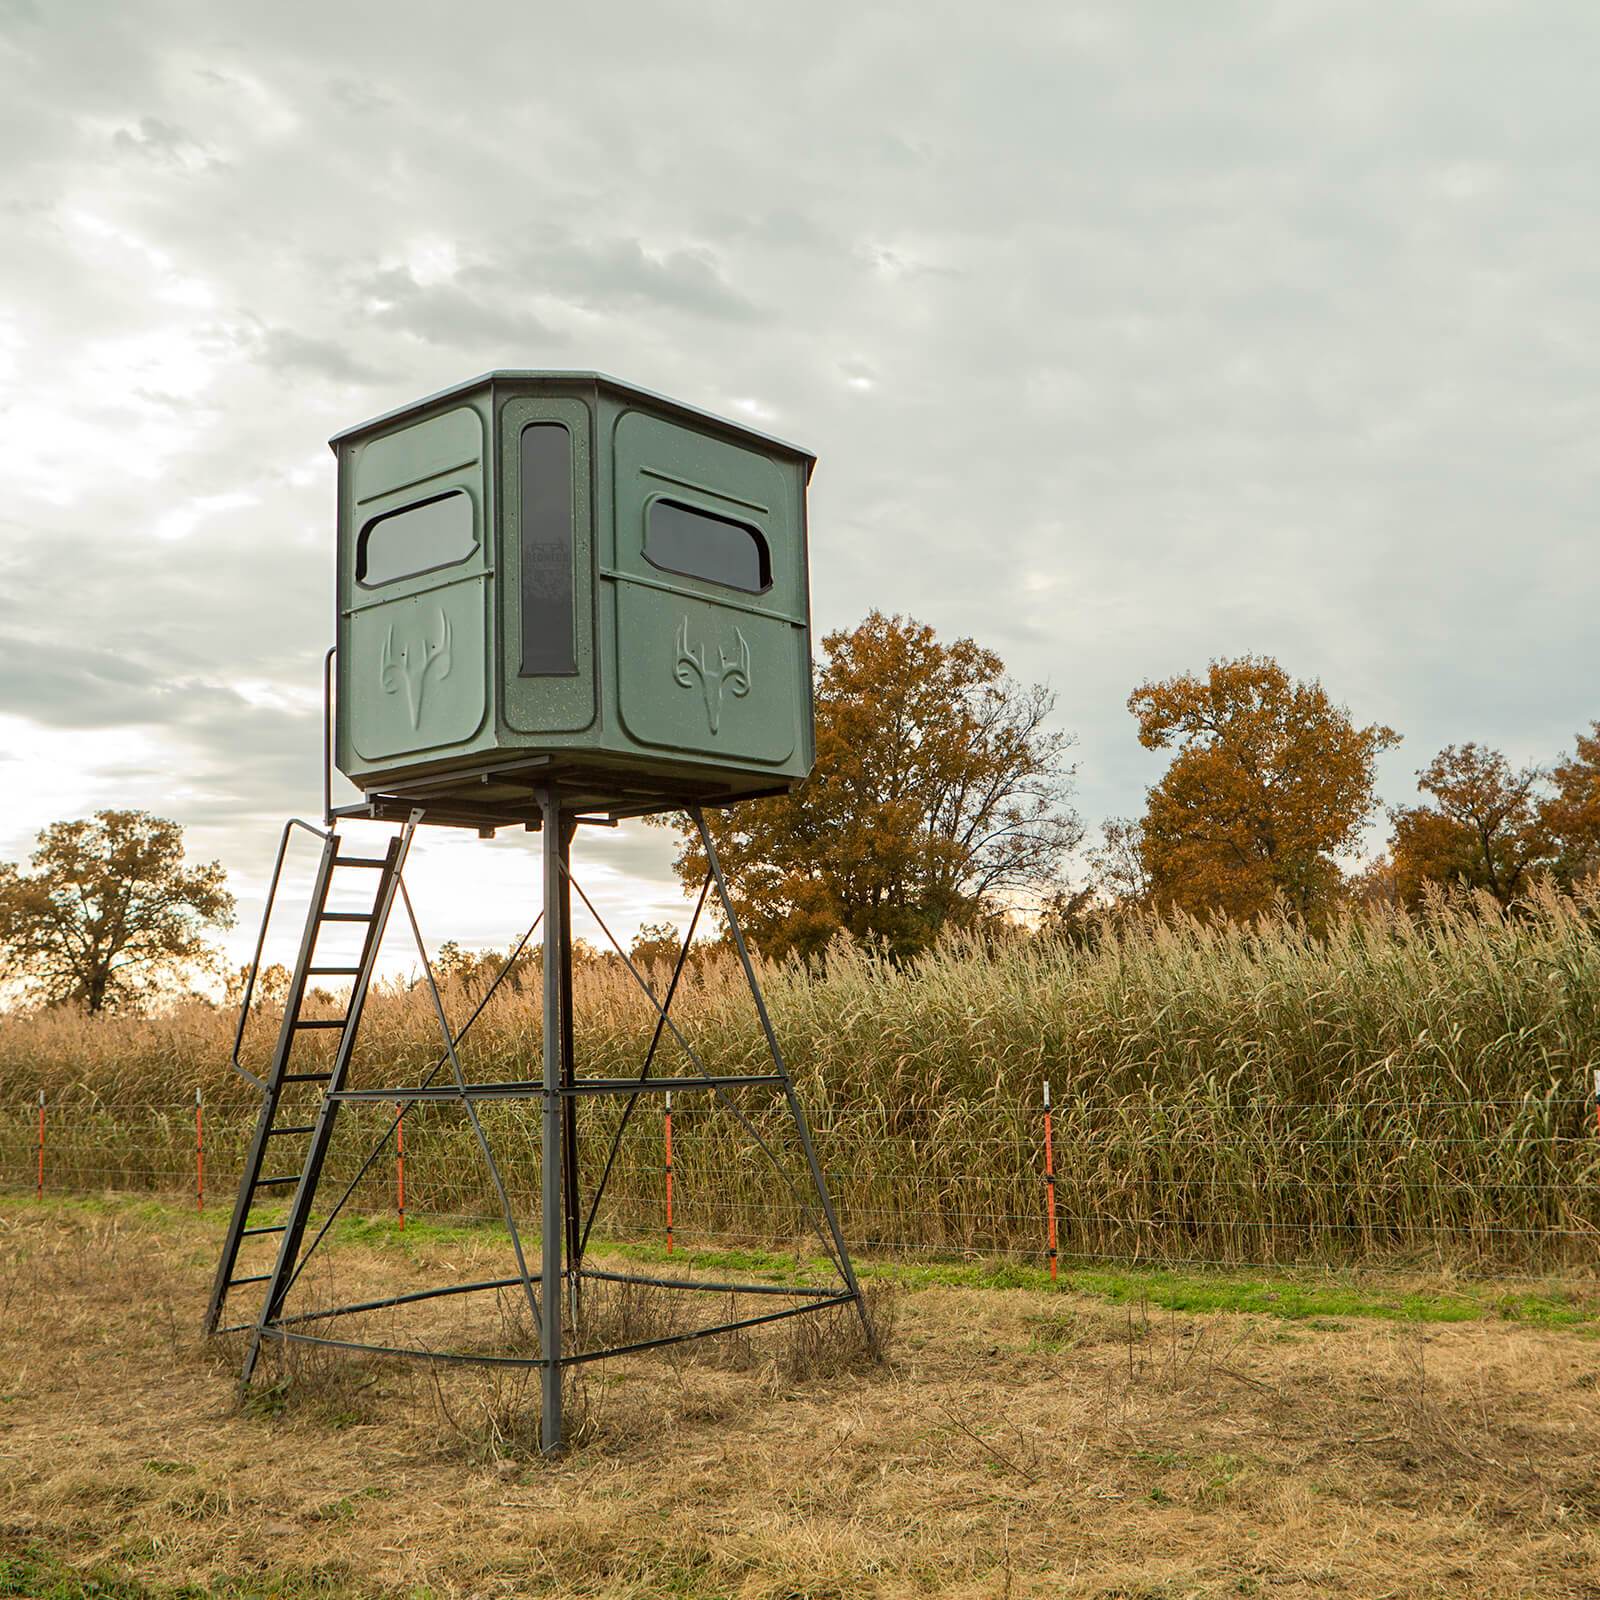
x,y
272,984
1270,782
939,796
656,944
1374,885
475,970
1070,914
1481,830
1118,863
108,910
1571,815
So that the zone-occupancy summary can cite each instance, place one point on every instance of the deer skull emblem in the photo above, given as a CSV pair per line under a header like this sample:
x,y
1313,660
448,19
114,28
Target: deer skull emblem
x,y
408,668
732,676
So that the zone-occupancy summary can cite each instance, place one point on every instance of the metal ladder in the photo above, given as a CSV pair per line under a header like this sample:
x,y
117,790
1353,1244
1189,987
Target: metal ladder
x,y
271,1126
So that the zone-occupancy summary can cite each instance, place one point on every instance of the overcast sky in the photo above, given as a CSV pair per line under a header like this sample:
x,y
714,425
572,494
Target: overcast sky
x,y
1128,335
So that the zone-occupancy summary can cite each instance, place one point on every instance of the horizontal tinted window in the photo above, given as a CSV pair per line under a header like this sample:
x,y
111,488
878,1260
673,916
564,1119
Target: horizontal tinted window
x,y
546,500
679,538
400,544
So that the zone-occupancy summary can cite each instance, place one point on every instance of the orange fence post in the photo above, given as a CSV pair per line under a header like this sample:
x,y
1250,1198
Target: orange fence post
x,y
667,1126
1050,1182
40,1190
199,1155
400,1163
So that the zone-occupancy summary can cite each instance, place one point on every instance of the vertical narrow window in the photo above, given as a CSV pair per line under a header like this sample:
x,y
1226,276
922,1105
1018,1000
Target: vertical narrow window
x,y
548,623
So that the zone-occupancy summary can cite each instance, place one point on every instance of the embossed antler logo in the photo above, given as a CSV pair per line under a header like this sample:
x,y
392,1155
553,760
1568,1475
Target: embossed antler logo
x,y
732,676
408,669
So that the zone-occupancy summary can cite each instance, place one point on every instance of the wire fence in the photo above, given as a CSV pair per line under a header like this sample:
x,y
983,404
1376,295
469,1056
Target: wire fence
x,y
1490,1185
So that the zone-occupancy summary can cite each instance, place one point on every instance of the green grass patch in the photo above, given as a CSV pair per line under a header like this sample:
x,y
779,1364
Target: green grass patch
x,y
1553,1310
1272,1296
1319,1302
771,1265
38,1575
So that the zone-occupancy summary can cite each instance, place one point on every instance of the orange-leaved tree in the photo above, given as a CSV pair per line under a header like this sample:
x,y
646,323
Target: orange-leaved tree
x,y
1120,876
1270,782
939,797
1571,815
1481,830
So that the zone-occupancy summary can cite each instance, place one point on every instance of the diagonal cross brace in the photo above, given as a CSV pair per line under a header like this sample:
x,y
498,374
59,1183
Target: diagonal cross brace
x,y
728,1102
388,1133
477,1126
644,1071
796,1110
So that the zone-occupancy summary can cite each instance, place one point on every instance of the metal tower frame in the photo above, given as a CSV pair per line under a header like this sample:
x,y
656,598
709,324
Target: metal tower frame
x,y
564,1225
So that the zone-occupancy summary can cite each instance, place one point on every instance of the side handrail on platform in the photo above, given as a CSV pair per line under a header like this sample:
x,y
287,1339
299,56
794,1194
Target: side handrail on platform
x,y
261,942
327,736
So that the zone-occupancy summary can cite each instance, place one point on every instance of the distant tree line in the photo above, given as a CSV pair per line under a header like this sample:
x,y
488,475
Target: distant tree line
x,y
1272,786
941,799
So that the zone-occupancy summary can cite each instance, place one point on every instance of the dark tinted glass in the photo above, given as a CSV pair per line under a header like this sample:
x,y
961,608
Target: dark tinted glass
x,y
547,614
400,544
699,545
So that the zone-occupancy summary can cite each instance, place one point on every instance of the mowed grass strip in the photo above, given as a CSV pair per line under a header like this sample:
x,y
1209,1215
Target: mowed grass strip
x,y
1293,1296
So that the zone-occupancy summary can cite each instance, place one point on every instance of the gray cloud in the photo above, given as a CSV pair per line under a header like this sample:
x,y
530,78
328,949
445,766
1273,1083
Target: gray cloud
x,y
284,350
164,143
451,314
619,272
358,96
68,686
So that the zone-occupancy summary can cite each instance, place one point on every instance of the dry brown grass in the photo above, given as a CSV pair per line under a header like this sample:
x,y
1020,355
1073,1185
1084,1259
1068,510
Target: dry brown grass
x,y
1018,1444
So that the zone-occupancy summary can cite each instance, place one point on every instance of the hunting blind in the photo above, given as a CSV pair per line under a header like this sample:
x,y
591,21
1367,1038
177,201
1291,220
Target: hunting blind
x,y
561,600
555,577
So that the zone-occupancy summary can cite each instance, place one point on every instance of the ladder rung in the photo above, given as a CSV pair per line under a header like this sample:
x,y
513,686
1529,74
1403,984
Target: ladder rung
x,y
305,1077
320,1022
275,1183
344,916
361,861
333,972
276,1227
272,1133
260,1277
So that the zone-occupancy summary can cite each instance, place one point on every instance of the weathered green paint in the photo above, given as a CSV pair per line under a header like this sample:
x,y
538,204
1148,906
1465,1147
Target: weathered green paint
x,y
683,687
416,648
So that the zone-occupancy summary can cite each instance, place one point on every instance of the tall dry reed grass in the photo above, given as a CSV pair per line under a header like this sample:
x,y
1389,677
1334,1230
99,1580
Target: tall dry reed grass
x,y
1412,1086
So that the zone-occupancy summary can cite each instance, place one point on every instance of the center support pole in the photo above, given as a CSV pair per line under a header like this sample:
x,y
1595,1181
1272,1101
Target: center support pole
x,y
569,1074
552,1154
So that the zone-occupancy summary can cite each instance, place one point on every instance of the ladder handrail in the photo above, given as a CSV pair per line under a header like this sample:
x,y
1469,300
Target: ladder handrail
x,y
261,941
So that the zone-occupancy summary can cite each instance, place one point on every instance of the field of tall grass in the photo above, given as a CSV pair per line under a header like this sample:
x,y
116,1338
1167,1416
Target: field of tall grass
x,y
1402,1088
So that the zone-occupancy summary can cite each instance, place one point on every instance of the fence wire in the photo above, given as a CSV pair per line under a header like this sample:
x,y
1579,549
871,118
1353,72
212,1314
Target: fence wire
x,y
1495,1183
